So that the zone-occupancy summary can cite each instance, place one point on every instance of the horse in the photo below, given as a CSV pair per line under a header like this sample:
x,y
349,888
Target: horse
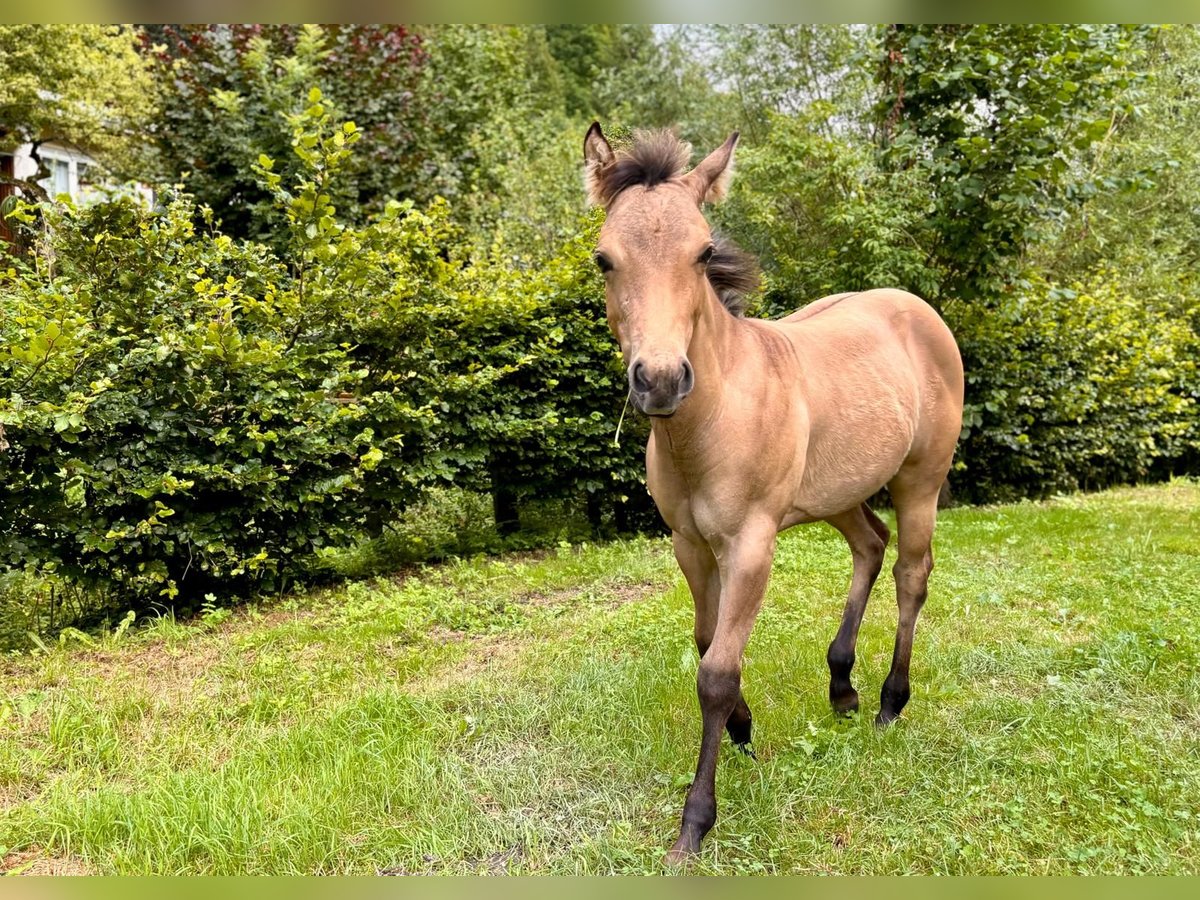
x,y
759,425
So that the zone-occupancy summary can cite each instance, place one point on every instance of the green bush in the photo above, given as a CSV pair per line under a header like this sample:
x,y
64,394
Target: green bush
x,y
184,416
554,419
225,92
824,219
190,414
173,426
1073,387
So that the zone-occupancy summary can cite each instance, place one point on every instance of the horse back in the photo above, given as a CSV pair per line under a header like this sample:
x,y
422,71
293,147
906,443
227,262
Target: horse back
x,y
817,306
876,321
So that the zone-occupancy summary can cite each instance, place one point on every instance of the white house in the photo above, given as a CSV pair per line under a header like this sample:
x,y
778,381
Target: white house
x,y
68,169
72,172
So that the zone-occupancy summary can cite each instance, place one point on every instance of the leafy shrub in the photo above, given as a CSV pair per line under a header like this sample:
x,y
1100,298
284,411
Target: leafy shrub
x,y
226,92
824,219
173,427
554,420
996,122
182,415
190,414
1073,387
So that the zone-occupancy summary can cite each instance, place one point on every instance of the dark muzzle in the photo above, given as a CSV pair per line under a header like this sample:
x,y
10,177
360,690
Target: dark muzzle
x,y
658,391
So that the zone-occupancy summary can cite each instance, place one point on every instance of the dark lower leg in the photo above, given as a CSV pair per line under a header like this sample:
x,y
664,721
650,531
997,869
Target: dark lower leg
x,y
867,537
739,726
719,693
896,691
745,568
842,695
911,590
740,721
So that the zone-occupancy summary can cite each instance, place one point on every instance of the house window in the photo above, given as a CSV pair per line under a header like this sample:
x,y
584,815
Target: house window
x,y
59,181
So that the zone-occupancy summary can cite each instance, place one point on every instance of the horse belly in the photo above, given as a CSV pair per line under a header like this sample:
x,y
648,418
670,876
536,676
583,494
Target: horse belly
x,y
849,461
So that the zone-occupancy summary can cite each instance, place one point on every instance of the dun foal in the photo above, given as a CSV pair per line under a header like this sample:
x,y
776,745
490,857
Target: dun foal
x,y
758,426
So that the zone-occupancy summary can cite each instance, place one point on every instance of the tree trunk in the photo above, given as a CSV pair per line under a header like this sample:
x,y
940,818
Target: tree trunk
x,y
504,501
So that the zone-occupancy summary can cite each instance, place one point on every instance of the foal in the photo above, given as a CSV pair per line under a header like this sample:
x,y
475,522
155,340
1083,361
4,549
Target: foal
x,y
758,426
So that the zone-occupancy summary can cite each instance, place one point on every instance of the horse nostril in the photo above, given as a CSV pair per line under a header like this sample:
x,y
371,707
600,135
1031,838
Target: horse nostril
x,y
638,378
688,381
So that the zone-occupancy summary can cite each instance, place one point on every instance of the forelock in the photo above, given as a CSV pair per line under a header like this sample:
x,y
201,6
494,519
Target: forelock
x,y
655,157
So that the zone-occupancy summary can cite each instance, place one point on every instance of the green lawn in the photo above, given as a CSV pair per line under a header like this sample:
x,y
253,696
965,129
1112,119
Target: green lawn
x,y
538,714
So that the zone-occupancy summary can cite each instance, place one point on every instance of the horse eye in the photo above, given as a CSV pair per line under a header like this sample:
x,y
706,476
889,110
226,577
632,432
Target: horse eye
x,y
603,263
706,255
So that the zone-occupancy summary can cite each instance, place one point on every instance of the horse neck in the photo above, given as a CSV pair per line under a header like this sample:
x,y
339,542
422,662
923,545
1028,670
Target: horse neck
x,y
689,431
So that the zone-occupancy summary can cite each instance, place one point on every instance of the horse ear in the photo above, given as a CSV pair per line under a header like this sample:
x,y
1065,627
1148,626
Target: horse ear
x,y
710,179
597,156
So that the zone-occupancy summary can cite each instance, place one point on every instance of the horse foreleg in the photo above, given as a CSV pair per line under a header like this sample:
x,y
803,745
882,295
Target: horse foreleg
x,y
700,569
745,565
867,536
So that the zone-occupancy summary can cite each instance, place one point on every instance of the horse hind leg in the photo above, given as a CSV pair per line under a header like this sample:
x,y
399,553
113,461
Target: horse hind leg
x,y
867,536
916,500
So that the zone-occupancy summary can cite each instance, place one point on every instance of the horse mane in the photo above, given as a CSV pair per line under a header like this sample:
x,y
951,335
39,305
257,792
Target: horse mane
x,y
654,157
733,273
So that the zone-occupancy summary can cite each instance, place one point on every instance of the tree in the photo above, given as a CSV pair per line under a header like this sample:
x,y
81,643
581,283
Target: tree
x,y
228,93
495,101
1139,187
81,85
823,218
585,52
767,70
992,117
1138,195
630,74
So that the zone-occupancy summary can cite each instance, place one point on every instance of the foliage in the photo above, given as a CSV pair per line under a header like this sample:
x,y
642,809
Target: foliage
x,y
228,92
823,218
499,146
508,106
587,53
991,116
1139,189
82,85
789,71
638,74
179,415
1074,387
188,412
554,422
171,430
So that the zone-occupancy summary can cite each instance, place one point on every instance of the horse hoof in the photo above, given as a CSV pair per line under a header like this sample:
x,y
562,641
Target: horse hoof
x,y
885,718
846,705
678,859
684,850
680,856
747,750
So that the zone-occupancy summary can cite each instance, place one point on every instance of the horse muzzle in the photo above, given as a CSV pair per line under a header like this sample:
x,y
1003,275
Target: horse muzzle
x,y
658,390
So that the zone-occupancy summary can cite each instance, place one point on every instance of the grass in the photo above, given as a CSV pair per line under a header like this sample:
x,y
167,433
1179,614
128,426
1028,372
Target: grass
x,y
537,714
